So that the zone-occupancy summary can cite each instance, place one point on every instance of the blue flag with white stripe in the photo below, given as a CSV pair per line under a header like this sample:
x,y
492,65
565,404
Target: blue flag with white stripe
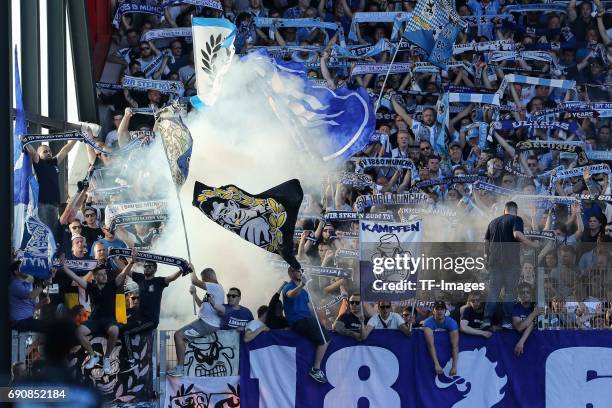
x,y
25,186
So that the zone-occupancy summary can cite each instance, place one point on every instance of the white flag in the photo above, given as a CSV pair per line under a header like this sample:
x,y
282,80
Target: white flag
x,y
213,47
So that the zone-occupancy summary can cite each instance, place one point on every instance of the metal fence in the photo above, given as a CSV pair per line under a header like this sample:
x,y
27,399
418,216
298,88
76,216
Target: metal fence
x,y
574,298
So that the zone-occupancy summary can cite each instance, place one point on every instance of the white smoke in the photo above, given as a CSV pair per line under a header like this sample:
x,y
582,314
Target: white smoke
x,y
240,140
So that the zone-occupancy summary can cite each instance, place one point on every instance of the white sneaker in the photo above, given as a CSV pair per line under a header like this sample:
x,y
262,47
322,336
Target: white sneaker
x,y
176,371
93,360
95,128
106,365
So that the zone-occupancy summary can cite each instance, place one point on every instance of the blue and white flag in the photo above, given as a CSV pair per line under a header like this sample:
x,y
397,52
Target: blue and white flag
x,y
213,47
343,118
25,186
39,249
434,27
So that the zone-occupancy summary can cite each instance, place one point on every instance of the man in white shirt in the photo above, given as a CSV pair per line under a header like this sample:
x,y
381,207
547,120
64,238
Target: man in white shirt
x,y
387,320
255,327
209,321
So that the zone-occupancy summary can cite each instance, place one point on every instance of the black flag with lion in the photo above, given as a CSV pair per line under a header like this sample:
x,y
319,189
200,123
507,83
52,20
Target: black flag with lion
x,y
266,219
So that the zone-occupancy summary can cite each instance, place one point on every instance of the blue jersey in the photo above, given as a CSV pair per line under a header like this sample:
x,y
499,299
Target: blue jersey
x,y
448,324
295,308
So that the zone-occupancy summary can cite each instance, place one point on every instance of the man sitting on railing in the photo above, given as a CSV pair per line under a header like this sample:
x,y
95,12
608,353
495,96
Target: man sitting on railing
x,y
209,317
150,289
102,293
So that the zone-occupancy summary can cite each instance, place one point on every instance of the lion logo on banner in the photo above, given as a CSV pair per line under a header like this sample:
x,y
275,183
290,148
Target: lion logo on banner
x,y
476,379
258,220
389,246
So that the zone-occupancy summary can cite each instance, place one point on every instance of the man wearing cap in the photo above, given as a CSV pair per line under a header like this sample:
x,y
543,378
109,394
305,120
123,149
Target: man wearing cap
x,y
502,249
455,158
385,319
439,321
150,288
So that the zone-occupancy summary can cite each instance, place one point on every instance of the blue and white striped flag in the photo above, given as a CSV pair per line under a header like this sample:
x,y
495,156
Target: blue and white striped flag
x,y
434,27
25,186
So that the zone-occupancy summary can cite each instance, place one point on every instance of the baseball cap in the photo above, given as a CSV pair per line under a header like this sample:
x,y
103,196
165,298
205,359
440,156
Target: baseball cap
x,y
453,144
77,236
439,305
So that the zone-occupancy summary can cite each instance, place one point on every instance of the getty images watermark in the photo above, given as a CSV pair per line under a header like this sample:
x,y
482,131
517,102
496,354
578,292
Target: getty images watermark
x,y
387,268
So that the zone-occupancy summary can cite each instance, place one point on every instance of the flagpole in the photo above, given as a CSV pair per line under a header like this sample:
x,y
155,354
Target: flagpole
x,y
186,241
382,89
314,309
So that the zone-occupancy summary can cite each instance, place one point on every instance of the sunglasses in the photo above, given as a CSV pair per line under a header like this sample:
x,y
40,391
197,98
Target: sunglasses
x,y
232,296
405,315
385,307
354,302
425,148
90,215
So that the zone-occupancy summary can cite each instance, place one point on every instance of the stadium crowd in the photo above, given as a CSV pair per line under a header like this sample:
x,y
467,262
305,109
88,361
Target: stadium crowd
x,y
574,260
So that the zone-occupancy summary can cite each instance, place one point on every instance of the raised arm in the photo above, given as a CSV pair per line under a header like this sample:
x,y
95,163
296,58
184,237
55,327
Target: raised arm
x,y
77,279
196,281
399,109
65,150
325,71
127,270
174,276
600,24
571,11
73,207
31,151
123,134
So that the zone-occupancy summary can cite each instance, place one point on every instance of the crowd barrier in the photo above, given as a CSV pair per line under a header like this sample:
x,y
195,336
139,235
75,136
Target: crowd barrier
x,y
558,368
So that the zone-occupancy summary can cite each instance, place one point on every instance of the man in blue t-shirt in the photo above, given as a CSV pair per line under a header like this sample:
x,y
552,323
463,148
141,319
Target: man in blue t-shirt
x,y
302,321
523,315
236,317
439,321
110,240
